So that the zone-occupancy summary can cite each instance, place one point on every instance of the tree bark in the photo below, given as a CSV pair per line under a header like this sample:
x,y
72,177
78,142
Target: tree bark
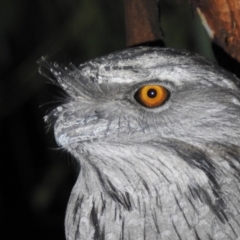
x,y
142,19
221,19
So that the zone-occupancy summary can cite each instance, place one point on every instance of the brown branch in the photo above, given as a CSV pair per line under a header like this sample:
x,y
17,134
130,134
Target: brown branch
x,y
142,22
221,18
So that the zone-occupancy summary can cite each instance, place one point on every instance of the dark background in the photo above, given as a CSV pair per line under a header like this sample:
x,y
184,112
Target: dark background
x,y
35,177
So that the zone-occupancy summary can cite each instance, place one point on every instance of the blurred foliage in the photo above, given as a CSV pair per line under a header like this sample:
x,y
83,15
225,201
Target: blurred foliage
x,y
35,177
183,29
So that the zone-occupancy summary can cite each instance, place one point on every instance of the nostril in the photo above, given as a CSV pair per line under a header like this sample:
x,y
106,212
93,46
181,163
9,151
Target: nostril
x,y
98,113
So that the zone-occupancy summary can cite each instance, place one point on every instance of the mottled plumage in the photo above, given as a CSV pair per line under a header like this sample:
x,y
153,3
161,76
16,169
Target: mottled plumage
x,y
167,173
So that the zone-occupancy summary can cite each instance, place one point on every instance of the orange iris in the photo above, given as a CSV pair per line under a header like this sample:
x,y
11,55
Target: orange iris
x,y
152,95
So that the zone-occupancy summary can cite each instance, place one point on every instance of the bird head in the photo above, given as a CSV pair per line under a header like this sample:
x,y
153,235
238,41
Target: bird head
x,y
104,102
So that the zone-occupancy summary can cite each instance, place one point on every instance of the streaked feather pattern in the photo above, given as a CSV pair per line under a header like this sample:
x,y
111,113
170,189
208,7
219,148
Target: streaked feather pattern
x,y
171,172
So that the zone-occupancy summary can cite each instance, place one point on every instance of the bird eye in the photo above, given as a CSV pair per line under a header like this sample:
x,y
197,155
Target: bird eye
x,y
151,96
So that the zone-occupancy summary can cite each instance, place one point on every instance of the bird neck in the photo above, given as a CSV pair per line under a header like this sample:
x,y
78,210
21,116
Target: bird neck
x,y
147,193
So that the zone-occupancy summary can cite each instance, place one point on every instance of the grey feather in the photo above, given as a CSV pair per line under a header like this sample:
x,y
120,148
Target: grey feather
x,y
170,172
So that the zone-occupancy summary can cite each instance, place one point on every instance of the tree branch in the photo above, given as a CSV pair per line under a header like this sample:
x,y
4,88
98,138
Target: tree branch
x,y
221,19
142,21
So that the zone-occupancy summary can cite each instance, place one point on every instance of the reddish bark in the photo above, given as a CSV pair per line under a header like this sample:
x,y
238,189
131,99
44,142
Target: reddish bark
x,y
222,20
142,22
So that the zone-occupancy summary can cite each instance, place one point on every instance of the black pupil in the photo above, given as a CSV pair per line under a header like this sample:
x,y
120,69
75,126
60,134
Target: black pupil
x,y
152,93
